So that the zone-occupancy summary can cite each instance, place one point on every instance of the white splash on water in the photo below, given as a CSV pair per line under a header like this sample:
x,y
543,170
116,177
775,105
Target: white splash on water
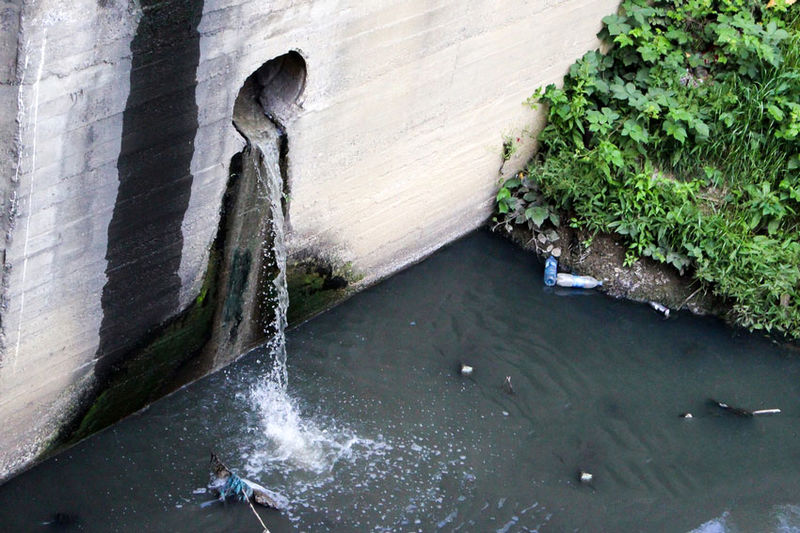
x,y
787,518
716,525
784,518
296,441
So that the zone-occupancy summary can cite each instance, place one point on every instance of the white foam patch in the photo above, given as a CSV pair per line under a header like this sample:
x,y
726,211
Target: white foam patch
x,y
292,441
787,518
716,525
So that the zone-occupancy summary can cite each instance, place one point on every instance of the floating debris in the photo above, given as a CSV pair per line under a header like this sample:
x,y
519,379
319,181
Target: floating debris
x,y
62,521
766,412
507,386
585,477
550,271
686,415
738,411
581,282
664,310
465,370
229,486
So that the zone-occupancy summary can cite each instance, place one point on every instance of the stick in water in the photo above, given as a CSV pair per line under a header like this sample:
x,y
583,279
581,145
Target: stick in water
x,y
259,518
744,412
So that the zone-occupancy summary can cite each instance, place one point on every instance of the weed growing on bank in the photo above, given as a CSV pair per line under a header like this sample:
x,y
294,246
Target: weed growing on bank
x,y
683,138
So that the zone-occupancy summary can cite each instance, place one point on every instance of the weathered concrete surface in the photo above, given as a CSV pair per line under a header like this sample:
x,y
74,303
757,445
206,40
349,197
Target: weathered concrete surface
x,y
395,152
72,79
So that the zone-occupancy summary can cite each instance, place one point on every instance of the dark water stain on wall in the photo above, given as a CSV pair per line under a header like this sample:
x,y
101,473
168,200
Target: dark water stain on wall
x,y
159,126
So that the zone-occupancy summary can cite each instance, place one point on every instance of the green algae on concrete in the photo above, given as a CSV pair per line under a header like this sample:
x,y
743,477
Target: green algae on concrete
x,y
316,285
149,371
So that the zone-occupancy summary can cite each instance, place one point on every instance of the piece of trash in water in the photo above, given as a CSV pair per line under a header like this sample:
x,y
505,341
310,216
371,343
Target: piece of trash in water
x,y
686,415
766,412
229,486
507,386
585,477
199,490
664,310
550,271
465,370
581,282
738,411
62,520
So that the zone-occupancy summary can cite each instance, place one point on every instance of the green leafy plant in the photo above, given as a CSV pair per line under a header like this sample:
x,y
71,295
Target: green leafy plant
x,y
683,138
510,146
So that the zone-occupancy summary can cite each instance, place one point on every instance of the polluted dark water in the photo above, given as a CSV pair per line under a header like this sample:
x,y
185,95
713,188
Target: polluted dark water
x,y
379,432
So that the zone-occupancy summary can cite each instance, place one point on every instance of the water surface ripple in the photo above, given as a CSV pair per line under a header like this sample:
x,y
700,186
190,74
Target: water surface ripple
x,y
381,433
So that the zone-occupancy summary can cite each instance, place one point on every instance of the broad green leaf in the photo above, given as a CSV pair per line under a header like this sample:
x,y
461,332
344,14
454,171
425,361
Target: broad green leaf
x,y
648,53
675,129
701,128
623,40
530,196
635,131
616,24
772,227
537,214
775,112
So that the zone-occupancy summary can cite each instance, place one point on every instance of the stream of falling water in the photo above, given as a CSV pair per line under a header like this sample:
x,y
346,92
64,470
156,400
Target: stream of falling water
x,y
299,446
265,155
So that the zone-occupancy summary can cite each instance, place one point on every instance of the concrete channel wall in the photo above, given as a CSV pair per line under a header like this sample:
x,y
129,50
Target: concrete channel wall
x,y
117,139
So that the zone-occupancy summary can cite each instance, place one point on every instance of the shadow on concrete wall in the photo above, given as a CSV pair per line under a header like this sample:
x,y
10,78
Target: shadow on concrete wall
x,y
159,126
148,346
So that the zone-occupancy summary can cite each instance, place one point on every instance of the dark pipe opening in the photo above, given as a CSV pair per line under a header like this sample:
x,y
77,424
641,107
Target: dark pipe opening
x,y
280,83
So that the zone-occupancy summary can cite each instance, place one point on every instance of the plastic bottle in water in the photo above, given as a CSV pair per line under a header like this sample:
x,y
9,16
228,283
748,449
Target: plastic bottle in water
x,y
582,282
550,269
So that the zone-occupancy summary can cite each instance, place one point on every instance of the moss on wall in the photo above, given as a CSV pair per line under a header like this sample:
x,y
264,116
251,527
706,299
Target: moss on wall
x,y
316,285
150,370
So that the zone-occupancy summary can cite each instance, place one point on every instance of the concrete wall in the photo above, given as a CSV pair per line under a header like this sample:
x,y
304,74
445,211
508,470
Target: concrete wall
x,y
116,139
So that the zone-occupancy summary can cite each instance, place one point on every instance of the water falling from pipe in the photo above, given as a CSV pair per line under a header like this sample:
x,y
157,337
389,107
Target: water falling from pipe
x,y
294,442
263,153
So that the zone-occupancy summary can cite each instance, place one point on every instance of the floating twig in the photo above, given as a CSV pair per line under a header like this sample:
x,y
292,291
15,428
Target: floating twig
x,y
739,411
690,297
